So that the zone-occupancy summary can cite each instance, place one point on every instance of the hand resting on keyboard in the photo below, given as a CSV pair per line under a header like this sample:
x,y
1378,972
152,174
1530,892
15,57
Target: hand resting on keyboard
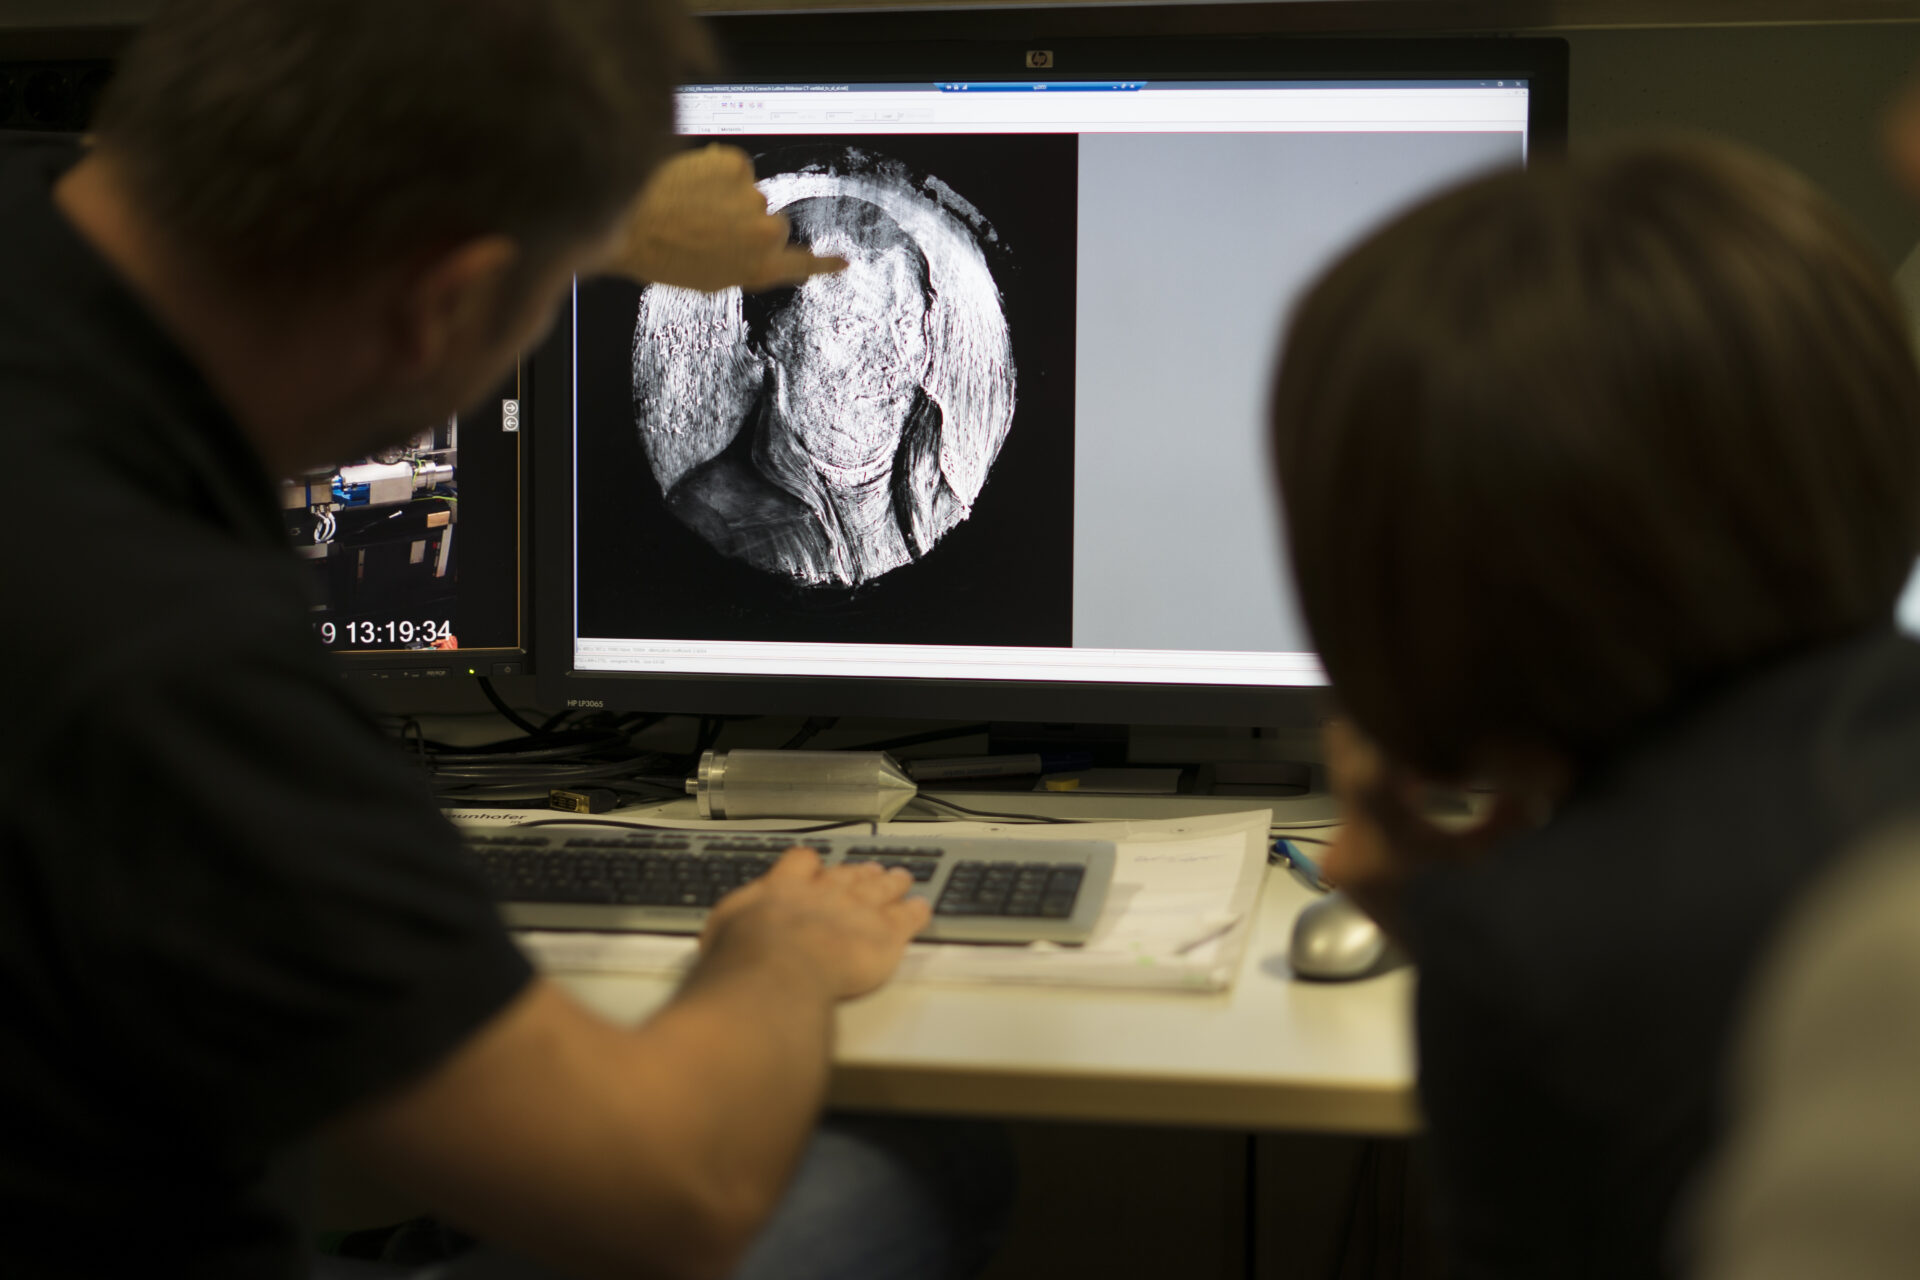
x,y
848,922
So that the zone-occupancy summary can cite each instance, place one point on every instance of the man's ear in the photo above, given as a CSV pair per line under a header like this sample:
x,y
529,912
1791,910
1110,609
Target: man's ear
x,y
454,296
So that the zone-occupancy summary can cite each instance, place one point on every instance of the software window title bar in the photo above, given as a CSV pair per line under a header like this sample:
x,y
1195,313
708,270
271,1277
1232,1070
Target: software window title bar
x,y
1217,108
1145,86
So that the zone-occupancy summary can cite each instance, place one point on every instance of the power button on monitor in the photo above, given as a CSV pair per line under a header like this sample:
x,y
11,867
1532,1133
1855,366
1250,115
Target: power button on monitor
x,y
506,668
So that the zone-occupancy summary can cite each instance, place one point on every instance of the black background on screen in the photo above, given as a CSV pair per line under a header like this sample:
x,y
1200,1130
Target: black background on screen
x,y
1001,577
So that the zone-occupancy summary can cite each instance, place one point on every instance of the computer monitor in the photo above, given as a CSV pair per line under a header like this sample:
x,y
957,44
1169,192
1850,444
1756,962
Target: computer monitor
x,y
418,551
1012,463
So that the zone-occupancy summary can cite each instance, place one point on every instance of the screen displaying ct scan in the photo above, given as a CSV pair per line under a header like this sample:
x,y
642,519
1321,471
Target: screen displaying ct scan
x,y
1021,436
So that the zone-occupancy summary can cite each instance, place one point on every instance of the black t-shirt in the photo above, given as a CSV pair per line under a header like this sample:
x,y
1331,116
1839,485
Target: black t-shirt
x,y
1577,991
228,909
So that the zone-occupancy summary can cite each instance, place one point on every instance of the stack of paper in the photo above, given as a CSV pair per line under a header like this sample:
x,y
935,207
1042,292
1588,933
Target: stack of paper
x,y
1177,916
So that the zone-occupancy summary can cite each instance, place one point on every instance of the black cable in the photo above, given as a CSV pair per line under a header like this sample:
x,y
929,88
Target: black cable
x,y
915,739
411,732
1044,819
644,789
511,753
500,704
557,719
571,749
559,758
814,727
549,776
873,827
675,782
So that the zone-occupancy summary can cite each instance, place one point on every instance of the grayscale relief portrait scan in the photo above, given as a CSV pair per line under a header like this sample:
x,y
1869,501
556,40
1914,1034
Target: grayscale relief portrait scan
x,y
834,433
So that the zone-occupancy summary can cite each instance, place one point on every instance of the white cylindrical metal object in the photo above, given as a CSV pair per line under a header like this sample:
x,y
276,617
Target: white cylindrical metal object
x,y
429,474
374,472
854,786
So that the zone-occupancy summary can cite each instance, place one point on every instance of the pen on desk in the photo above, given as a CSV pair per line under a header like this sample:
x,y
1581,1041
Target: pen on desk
x,y
1303,866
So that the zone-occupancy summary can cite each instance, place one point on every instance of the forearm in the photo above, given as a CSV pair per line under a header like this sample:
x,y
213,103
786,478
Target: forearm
x,y
701,1117
658,1150
745,1048
608,1151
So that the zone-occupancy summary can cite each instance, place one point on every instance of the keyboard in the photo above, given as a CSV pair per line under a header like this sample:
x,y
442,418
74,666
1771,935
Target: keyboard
x,y
661,881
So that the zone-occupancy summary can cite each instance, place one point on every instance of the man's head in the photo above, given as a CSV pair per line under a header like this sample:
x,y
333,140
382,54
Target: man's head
x,y
852,349
459,154
1561,449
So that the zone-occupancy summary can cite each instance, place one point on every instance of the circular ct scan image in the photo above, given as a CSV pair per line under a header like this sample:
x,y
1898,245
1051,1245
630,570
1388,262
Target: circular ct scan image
x,y
835,432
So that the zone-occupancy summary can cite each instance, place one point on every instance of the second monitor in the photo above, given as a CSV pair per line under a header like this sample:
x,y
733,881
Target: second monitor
x,y
1012,461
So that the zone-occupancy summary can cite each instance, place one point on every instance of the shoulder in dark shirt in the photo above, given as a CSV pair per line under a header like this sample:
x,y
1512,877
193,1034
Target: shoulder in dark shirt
x,y
1576,991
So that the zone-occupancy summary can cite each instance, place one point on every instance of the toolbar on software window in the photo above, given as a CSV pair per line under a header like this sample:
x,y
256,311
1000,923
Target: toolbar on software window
x,y
1118,108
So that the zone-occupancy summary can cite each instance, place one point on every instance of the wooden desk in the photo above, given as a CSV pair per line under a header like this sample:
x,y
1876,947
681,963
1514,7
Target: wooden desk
x,y
1272,1053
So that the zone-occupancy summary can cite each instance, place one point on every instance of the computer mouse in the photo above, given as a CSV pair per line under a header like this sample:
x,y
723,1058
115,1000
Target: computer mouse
x,y
1334,941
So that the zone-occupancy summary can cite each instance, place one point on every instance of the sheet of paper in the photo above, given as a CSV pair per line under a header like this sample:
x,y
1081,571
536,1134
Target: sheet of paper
x,y
1177,916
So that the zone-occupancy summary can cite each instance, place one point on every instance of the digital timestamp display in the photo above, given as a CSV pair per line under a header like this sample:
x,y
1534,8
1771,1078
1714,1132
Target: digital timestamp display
x,y
409,632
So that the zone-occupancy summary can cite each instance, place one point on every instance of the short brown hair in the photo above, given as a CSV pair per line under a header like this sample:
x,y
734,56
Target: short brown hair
x,y
1561,448
300,139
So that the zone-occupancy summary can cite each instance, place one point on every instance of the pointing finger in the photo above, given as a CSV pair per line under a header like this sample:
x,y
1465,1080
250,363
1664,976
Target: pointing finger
x,y
726,159
794,265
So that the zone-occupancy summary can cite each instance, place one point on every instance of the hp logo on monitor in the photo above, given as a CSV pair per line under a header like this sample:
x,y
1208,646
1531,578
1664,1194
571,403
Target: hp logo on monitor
x,y
1039,59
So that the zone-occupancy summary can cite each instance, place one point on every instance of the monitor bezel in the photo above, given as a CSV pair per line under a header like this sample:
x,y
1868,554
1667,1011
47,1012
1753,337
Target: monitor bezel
x,y
1542,62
